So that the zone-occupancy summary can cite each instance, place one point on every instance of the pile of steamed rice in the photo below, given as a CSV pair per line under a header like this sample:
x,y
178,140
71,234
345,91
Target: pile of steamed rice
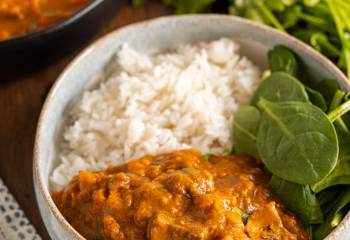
x,y
149,104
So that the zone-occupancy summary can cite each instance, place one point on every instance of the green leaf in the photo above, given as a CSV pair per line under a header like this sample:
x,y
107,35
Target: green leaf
x,y
311,3
317,22
275,5
207,156
268,14
244,215
137,2
291,16
327,88
323,24
255,15
280,86
321,43
321,9
343,27
245,129
289,2
304,34
226,152
248,9
297,198
281,59
243,4
189,6
338,210
296,141
317,99
341,173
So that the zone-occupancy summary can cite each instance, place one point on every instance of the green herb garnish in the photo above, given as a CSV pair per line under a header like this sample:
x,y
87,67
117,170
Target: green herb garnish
x,y
245,216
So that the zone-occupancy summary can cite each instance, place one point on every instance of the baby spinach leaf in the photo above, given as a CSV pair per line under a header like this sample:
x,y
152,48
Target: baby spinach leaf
x,y
247,9
311,3
341,172
289,2
245,129
280,86
186,6
297,198
291,16
297,141
281,59
338,210
255,15
321,43
137,2
304,34
268,14
275,5
316,98
327,88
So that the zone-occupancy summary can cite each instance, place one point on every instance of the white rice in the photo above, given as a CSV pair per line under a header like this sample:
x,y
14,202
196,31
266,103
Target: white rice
x,y
149,104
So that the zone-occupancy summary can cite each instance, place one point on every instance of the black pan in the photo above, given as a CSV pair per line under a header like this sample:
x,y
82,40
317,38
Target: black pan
x,y
57,40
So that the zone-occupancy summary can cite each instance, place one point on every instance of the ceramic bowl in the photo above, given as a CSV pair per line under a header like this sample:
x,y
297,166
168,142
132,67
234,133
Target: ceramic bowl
x,y
161,33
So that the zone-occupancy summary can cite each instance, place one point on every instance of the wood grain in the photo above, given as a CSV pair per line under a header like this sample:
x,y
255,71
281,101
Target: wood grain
x,y
21,99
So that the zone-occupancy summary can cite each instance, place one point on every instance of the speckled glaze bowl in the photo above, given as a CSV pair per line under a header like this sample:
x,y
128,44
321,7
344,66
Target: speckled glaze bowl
x,y
162,33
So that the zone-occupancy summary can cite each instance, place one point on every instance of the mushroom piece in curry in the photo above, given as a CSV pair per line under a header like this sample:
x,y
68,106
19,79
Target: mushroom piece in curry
x,y
179,195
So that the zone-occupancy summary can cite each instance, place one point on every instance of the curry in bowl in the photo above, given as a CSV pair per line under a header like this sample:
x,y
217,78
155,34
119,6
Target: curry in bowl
x,y
178,195
19,17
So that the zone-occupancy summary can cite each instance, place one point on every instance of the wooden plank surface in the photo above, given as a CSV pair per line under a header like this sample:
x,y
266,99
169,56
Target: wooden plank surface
x,y
21,98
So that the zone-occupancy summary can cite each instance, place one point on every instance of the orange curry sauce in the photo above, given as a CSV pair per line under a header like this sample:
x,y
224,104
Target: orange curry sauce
x,y
19,17
179,195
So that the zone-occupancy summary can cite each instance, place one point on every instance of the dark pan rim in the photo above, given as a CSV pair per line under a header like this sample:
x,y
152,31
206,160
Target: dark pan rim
x,y
53,27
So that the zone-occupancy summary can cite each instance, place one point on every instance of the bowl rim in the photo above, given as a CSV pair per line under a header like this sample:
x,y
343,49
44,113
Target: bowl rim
x,y
53,27
37,157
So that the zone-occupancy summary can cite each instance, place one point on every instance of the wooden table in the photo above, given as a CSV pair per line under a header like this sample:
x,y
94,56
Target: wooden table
x,y
21,99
